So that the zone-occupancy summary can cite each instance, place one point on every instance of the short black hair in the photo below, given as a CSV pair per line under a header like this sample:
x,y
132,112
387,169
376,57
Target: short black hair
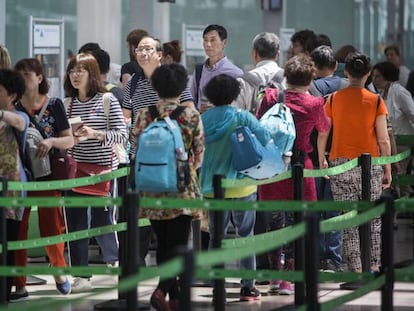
x,y
222,32
323,57
222,90
89,47
388,70
393,47
303,36
103,59
317,40
13,82
170,80
357,64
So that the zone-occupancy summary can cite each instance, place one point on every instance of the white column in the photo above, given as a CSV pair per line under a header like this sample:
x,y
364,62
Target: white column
x,y
100,21
152,16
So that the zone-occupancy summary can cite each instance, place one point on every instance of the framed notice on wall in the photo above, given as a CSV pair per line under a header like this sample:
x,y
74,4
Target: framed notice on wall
x,y
46,44
193,46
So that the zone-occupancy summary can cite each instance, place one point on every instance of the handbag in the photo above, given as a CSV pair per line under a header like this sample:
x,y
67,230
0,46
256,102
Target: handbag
x,y
63,166
253,159
84,169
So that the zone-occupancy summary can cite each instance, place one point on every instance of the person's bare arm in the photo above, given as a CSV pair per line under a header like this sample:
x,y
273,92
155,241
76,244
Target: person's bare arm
x,y
13,119
383,140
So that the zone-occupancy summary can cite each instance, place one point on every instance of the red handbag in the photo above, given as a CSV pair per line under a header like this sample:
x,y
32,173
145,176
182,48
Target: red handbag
x,y
84,169
63,166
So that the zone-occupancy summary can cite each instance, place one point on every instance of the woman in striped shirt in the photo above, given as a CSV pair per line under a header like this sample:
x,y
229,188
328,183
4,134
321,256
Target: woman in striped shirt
x,y
94,141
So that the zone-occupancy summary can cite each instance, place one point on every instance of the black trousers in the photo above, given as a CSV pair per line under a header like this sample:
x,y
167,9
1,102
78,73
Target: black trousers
x,y
170,234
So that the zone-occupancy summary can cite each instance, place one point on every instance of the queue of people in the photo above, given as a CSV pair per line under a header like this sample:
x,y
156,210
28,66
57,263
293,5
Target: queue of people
x,y
310,85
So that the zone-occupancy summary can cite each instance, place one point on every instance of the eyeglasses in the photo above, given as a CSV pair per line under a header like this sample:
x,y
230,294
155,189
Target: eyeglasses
x,y
144,49
78,72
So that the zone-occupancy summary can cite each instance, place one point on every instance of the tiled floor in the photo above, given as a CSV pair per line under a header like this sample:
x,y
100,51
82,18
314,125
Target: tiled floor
x,y
202,296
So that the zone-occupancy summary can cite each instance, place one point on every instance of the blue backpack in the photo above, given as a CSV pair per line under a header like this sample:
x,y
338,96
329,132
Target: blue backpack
x,y
161,163
278,120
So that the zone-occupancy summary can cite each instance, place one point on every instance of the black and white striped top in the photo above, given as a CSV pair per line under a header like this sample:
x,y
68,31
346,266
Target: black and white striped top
x,y
144,96
92,115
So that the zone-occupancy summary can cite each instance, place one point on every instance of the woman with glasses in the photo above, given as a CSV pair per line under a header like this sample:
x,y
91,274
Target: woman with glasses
x,y
94,141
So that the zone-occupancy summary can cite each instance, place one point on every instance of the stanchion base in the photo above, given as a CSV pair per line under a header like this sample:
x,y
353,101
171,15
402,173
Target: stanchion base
x,y
404,264
201,283
118,304
351,285
34,280
288,307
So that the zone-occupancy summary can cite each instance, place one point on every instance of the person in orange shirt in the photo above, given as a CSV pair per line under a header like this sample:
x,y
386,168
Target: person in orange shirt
x,y
359,120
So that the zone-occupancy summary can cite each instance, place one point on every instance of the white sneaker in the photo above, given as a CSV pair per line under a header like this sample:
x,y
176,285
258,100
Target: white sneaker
x,y
113,265
81,285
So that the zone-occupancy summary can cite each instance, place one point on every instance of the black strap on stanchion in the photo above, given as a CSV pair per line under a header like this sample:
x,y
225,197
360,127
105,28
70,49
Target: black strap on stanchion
x,y
297,175
186,278
219,290
387,254
365,229
312,261
3,237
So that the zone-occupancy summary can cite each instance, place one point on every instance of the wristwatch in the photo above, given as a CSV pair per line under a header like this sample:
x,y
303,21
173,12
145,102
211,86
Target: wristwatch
x,y
99,134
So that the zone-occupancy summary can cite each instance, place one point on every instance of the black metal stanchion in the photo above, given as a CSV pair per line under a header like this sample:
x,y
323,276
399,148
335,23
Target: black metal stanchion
x,y
186,278
297,174
312,261
387,255
128,252
3,237
365,229
219,290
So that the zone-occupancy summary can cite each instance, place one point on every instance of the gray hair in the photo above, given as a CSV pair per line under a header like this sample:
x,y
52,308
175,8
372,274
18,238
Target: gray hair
x,y
266,44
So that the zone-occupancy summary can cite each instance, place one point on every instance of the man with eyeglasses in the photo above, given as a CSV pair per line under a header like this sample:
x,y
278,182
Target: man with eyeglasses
x,y
148,53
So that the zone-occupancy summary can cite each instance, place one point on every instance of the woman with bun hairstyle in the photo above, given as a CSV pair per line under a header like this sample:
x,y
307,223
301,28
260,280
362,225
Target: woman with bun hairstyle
x,y
356,110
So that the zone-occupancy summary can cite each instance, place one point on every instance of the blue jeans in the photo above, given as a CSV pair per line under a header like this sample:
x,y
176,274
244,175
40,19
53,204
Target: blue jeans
x,y
330,243
77,219
244,222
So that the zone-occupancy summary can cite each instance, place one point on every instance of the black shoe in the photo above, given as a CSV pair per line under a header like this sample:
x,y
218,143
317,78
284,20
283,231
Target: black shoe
x,y
333,266
322,264
17,297
262,282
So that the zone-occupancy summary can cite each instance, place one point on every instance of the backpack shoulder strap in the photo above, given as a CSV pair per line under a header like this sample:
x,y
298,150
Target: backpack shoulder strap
x,y
330,99
278,77
177,112
252,79
198,73
153,112
134,81
378,101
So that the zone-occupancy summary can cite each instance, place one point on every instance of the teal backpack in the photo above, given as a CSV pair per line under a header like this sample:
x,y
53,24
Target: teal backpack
x,y
161,161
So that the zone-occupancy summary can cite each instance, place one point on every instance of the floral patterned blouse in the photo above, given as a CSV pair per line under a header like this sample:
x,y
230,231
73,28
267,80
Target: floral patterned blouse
x,y
193,136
